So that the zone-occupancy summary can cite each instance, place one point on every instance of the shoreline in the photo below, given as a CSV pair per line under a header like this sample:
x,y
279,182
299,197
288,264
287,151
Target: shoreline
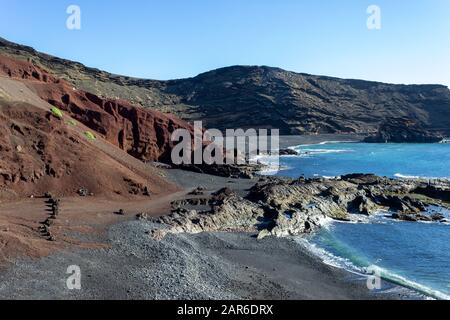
x,y
189,266
210,265
296,140
411,290
290,142
131,265
416,290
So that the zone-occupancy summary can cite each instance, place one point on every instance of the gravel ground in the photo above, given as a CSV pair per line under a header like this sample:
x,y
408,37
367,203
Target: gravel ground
x,y
202,266
191,180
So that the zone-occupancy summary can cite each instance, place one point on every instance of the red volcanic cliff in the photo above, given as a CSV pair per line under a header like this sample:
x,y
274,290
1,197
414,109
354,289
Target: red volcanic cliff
x,y
24,70
39,153
143,133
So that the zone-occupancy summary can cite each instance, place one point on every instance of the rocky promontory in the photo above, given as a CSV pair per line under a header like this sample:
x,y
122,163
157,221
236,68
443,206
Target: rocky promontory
x,y
401,131
285,207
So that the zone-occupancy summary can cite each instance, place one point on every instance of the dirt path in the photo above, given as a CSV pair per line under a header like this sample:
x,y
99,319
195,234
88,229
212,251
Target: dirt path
x,y
81,223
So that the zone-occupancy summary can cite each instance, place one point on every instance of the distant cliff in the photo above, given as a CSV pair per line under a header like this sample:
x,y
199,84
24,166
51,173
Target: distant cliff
x,y
403,130
264,97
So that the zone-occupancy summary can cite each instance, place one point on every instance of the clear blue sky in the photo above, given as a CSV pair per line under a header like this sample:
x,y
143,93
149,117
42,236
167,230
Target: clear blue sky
x,y
167,39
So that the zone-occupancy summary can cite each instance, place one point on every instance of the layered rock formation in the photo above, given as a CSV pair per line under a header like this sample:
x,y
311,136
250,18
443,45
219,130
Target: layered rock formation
x,y
279,208
264,97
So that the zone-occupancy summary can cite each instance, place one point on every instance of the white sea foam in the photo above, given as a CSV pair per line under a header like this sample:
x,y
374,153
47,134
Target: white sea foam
x,y
271,164
344,263
329,258
306,152
405,176
399,175
320,144
272,161
326,222
402,281
272,170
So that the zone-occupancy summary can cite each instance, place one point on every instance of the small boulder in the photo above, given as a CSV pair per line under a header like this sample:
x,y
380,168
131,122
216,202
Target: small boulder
x,y
437,217
83,192
287,152
263,234
142,216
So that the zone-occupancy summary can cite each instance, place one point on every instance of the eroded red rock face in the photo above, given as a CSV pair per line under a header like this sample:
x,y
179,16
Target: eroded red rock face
x,y
39,153
143,133
18,69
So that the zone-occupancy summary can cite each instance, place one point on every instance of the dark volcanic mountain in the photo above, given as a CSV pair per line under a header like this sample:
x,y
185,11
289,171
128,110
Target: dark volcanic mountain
x,y
263,97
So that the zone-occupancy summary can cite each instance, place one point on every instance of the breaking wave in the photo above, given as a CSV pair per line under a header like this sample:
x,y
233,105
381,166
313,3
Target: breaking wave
x,y
360,269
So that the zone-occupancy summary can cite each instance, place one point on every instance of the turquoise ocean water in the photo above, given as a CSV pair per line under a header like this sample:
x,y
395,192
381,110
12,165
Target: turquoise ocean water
x,y
392,160
415,255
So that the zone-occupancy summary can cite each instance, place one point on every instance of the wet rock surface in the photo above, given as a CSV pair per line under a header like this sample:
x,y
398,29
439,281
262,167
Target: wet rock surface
x,y
288,152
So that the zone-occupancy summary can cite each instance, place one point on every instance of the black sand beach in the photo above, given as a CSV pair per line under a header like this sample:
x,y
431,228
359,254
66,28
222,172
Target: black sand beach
x,y
203,266
187,266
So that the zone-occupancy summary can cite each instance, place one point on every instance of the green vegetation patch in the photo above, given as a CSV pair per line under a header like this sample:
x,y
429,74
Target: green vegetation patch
x,y
56,112
90,136
71,123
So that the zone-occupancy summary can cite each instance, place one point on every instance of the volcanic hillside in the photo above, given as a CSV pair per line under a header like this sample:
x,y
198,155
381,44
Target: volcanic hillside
x,y
263,97
85,143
